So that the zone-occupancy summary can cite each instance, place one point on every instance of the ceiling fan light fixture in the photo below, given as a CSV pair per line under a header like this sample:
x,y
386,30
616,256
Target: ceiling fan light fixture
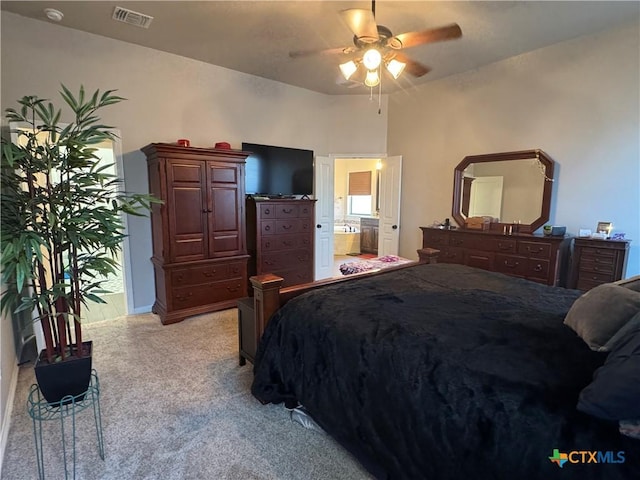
x,y
348,69
372,78
371,59
395,67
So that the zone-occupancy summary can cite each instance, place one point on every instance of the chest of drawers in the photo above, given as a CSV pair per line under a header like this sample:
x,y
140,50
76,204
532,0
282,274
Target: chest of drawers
x,y
534,257
280,239
597,261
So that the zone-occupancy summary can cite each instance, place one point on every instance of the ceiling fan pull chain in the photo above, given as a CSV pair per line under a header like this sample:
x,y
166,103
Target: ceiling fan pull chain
x,y
380,90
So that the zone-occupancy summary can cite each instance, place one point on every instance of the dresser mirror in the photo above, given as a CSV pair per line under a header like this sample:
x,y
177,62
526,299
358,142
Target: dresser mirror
x,y
512,187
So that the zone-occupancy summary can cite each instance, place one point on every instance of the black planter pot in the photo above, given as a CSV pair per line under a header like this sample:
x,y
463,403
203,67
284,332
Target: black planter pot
x,y
70,377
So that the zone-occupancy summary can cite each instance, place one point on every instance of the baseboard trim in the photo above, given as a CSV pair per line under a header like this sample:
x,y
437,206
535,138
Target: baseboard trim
x,y
6,419
145,309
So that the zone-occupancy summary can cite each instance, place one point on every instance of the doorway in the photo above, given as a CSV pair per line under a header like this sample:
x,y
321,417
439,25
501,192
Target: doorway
x,y
115,300
358,209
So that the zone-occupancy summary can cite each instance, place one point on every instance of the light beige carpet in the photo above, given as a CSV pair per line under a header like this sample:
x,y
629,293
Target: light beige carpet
x,y
176,405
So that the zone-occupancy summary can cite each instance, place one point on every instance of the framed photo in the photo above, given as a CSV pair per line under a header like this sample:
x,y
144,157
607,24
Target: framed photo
x,y
604,227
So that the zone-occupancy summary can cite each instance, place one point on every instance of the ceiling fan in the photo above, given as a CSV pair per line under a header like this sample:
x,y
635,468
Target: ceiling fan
x,y
375,45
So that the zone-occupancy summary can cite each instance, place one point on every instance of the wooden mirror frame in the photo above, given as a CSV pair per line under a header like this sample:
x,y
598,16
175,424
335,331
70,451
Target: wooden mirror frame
x,y
544,159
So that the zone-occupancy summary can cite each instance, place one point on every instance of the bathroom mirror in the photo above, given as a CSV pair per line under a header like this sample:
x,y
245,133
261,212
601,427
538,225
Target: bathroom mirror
x,y
512,187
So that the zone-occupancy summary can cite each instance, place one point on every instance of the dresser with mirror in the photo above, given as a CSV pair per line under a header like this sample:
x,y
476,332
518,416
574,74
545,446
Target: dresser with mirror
x,y
513,190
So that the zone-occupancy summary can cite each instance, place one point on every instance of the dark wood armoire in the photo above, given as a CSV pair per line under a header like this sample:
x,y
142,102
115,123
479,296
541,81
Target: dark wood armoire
x,y
199,251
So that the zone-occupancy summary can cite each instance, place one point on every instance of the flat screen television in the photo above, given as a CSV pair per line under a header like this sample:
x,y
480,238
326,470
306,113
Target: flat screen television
x,y
278,171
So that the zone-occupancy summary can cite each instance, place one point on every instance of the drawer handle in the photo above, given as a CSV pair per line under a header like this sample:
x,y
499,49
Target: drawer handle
x,y
179,278
267,227
504,247
285,210
268,262
537,268
184,297
287,243
209,274
267,211
287,227
511,265
267,244
233,289
537,250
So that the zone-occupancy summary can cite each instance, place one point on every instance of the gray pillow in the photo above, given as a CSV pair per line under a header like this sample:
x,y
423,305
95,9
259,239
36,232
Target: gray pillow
x,y
598,314
621,334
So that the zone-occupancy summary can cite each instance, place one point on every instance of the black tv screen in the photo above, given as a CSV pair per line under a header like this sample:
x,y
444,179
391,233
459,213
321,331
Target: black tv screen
x,y
275,171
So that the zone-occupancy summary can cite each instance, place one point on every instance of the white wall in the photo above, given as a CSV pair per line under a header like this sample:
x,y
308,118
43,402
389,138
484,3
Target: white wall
x,y
577,100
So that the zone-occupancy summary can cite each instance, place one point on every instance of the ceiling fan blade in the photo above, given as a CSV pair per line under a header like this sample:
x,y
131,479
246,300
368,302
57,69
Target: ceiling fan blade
x,y
412,39
412,67
327,51
361,22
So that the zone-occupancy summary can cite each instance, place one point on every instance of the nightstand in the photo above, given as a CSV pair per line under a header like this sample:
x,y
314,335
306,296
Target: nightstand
x,y
596,261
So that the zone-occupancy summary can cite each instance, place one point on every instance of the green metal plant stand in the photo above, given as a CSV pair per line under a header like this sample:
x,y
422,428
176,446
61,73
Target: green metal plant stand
x,y
40,410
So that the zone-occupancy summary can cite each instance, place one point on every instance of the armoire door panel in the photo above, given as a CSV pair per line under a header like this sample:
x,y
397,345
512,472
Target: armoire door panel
x,y
187,224
222,173
187,248
225,244
225,213
186,204
180,172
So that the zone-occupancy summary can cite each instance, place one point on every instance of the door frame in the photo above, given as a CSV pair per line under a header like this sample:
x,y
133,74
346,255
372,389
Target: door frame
x,y
349,156
126,253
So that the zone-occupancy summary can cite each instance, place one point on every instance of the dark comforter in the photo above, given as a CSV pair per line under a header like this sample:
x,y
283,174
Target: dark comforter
x,y
442,372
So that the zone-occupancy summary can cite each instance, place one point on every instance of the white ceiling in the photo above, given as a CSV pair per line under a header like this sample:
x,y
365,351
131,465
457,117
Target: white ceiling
x,y
255,37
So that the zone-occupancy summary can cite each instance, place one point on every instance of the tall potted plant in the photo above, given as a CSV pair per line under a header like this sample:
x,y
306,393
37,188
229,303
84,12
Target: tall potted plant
x,y
61,227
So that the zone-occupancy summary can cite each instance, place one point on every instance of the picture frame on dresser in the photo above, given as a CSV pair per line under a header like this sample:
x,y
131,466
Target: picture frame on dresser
x,y
604,227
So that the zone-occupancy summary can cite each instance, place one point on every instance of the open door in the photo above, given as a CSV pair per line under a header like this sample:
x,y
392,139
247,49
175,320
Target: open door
x,y
323,191
389,226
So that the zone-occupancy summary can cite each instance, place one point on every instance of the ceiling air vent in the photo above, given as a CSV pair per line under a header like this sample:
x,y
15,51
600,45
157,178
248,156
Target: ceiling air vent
x,y
132,18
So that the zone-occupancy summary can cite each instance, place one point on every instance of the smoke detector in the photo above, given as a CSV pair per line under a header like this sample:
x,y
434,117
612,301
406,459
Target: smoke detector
x,y
53,14
136,19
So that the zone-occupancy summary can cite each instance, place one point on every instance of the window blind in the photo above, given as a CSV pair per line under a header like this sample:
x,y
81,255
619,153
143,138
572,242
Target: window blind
x,y
360,183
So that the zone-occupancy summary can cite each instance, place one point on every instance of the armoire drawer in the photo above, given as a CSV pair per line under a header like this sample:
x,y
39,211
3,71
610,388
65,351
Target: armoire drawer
x,y
205,274
196,295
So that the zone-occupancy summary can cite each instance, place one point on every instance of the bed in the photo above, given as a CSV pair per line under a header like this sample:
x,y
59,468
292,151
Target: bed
x,y
442,371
